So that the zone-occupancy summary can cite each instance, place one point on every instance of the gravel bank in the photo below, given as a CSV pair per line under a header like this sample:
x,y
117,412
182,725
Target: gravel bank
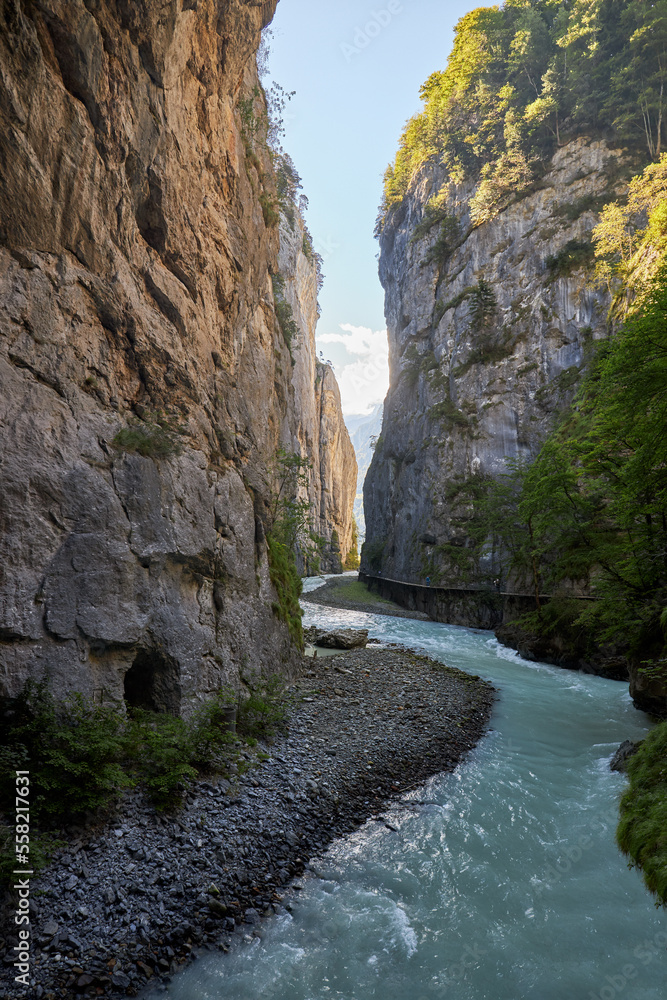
x,y
134,902
332,595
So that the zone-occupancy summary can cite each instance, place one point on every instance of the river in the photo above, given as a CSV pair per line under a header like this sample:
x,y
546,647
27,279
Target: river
x,y
501,881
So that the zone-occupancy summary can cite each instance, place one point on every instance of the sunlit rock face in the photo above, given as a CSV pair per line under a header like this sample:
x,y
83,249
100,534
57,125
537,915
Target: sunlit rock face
x,y
321,436
467,396
135,292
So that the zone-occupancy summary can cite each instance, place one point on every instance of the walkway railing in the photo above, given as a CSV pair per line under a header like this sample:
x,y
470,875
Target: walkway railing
x,y
466,590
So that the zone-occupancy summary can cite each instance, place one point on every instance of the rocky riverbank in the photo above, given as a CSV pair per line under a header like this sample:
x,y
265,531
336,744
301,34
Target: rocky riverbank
x,y
132,903
352,594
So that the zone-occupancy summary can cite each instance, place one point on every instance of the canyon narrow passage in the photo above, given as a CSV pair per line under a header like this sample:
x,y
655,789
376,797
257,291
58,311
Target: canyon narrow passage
x,y
501,880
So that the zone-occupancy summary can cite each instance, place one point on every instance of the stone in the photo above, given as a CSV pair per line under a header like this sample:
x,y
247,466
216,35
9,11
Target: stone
x,y
135,286
461,402
342,638
620,759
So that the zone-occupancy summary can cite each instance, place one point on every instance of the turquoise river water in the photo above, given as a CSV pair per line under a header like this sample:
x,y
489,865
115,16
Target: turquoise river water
x,y
502,881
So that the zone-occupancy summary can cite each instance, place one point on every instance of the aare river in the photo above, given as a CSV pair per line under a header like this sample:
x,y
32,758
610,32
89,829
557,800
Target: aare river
x,y
502,882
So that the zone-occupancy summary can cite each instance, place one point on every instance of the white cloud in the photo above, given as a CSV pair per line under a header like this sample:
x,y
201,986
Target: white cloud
x,y
361,362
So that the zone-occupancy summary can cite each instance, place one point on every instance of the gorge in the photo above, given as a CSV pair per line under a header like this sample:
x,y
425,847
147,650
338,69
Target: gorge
x,y
216,811
517,258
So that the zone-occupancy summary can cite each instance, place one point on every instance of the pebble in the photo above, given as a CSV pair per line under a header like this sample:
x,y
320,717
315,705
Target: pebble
x,y
224,860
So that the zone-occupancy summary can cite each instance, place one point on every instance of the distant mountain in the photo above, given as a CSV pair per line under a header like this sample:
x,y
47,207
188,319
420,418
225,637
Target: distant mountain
x,y
362,429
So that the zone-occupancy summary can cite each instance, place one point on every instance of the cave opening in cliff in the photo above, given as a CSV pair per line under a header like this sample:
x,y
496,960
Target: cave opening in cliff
x,y
153,683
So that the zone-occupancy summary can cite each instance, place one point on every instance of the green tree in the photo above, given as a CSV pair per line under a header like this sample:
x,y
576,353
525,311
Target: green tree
x,y
289,505
522,78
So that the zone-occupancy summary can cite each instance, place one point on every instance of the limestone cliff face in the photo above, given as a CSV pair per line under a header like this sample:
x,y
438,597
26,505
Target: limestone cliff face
x,y
463,399
145,384
321,435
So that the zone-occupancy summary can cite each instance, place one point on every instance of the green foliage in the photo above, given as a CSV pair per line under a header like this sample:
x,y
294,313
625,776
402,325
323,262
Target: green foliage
x,y
487,351
264,713
74,752
483,307
449,235
629,227
42,848
307,246
356,592
448,414
159,747
524,77
641,832
572,210
287,582
593,505
435,211
270,211
254,120
81,755
377,442
414,364
352,560
283,310
456,301
154,437
289,507
290,532
288,184
560,619
372,553
575,255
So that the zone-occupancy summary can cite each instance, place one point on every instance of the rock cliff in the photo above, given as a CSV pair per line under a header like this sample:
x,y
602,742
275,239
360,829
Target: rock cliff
x,y
145,380
488,333
322,437
364,431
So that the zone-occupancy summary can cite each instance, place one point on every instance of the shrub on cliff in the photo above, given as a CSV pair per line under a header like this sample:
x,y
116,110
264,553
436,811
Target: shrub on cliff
x,y
287,583
523,77
352,559
642,830
575,255
284,313
154,437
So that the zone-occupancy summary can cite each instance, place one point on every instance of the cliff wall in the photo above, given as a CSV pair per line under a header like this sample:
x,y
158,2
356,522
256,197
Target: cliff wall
x,y
488,336
145,382
321,435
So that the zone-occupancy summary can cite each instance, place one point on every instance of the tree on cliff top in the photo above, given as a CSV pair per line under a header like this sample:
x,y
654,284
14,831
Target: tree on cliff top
x,y
524,77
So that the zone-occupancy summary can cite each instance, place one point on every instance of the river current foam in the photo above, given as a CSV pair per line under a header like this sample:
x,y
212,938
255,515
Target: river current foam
x,y
500,881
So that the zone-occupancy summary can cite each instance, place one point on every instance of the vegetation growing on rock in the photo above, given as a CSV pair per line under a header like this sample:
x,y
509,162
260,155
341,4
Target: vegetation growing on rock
x,y
522,79
641,831
352,560
592,507
82,755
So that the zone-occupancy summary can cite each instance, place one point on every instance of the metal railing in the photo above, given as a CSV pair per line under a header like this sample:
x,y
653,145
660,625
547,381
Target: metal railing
x,y
466,590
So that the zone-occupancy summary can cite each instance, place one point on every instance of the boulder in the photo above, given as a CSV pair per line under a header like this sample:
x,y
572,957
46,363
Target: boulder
x,y
626,750
345,638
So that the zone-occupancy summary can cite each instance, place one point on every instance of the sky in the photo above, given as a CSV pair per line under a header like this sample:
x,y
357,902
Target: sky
x,y
356,68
